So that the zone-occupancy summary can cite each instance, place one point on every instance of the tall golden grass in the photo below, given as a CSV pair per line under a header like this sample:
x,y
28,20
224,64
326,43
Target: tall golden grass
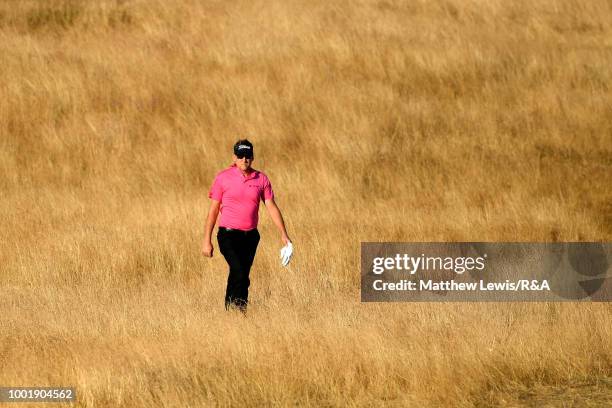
x,y
383,120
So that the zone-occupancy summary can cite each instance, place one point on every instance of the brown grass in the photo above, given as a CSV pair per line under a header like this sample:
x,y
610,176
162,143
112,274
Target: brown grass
x,y
380,120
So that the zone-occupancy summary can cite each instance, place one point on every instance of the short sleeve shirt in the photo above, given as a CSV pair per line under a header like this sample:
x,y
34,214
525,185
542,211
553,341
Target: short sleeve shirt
x,y
240,196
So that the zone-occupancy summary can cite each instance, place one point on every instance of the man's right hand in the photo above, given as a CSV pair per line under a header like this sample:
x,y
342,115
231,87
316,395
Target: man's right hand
x,y
207,249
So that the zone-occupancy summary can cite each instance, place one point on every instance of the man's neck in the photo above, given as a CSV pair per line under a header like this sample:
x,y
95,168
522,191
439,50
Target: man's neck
x,y
247,172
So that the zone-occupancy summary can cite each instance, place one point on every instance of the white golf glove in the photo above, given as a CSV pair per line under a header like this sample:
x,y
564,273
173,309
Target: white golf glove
x,y
286,253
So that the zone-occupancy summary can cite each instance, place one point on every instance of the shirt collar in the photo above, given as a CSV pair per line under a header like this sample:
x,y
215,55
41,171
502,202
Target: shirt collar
x,y
252,175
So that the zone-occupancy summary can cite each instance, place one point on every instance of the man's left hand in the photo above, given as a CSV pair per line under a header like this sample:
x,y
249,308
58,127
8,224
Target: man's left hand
x,y
286,253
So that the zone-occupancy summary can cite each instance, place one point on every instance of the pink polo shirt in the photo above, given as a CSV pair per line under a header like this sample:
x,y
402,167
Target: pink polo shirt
x,y
240,196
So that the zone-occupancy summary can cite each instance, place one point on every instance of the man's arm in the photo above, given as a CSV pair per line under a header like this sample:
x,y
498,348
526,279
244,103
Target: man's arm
x,y
277,217
211,220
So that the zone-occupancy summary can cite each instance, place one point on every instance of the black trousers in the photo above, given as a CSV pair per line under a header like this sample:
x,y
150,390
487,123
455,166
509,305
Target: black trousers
x,y
238,247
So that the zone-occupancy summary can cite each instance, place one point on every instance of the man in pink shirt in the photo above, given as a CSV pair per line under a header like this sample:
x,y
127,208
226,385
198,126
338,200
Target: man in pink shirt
x,y
236,193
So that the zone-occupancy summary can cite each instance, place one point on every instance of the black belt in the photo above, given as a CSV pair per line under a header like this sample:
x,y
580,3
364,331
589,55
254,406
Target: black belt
x,y
236,230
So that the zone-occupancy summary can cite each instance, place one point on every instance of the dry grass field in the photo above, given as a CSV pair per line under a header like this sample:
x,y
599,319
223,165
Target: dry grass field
x,y
376,120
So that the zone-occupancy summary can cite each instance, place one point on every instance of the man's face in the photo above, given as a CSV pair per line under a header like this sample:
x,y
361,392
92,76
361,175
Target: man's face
x,y
243,163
